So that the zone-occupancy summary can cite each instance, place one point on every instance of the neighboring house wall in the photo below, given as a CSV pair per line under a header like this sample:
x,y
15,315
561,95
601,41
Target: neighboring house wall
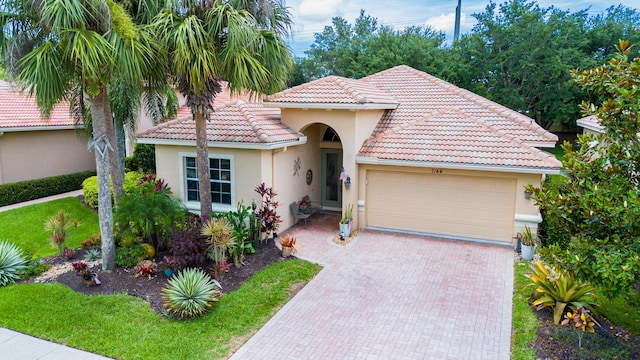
x,y
27,155
249,168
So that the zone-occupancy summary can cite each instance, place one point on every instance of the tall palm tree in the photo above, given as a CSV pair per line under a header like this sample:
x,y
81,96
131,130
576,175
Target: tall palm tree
x,y
213,40
71,50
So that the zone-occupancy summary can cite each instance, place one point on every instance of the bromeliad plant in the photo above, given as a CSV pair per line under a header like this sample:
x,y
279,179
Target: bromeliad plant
x,y
559,291
583,321
12,262
190,293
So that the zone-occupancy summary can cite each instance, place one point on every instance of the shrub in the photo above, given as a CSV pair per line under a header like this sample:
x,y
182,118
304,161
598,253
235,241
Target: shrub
x,y
190,293
130,164
145,268
90,187
91,242
242,234
22,191
129,256
144,156
559,290
34,269
189,247
150,212
12,263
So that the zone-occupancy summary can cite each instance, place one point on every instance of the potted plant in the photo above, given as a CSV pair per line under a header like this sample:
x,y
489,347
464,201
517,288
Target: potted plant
x,y
82,269
288,243
346,221
528,243
168,264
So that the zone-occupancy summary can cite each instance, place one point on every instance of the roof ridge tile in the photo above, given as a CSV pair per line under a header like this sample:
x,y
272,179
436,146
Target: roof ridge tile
x,y
253,122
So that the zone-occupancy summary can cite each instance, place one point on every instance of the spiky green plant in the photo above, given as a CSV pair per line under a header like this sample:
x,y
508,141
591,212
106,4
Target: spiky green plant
x,y
190,293
11,263
92,255
559,290
59,224
220,237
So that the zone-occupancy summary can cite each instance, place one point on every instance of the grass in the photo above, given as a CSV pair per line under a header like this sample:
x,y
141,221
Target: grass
x,y
623,310
125,327
524,322
27,225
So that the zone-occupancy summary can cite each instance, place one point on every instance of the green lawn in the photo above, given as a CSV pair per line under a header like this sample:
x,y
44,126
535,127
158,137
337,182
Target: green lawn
x,y
524,321
25,226
125,327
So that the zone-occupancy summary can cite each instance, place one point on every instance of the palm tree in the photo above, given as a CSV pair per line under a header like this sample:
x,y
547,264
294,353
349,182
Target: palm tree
x,y
213,40
71,50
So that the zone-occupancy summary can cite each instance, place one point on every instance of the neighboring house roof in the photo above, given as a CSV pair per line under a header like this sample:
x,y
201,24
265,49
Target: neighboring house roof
x,y
334,92
19,112
236,125
221,98
591,122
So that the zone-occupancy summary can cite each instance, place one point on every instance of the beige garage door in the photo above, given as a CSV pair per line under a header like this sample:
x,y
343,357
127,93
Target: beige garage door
x,y
462,206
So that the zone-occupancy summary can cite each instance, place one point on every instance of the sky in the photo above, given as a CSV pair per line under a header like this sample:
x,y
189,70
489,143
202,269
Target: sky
x,y
311,16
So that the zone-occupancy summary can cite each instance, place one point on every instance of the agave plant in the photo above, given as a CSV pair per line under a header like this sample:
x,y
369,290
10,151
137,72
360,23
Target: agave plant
x,y
11,263
190,293
220,237
560,290
92,255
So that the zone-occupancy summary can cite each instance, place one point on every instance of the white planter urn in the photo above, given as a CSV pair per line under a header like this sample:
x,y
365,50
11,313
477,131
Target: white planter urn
x,y
527,252
345,230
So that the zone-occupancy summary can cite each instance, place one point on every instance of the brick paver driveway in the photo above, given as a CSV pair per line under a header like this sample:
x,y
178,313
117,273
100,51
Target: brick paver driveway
x,y
393,296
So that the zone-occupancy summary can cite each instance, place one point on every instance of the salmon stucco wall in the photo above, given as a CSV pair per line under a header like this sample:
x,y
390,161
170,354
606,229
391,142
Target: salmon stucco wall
x,y
250,168
28,155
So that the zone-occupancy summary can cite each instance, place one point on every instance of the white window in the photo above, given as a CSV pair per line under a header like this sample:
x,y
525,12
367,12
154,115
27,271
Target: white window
x,y
221,174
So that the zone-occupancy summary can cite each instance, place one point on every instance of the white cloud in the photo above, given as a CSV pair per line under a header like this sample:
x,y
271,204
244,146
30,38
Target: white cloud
x,y
319,9
446,22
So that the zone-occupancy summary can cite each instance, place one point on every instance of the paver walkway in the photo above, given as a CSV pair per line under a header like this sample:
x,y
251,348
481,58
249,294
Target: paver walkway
x,y
393,296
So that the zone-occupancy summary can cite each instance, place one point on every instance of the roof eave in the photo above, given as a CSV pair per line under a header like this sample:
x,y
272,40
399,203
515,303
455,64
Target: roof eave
x,y
541,144
587,125
40,128
446,165
330,106
229,145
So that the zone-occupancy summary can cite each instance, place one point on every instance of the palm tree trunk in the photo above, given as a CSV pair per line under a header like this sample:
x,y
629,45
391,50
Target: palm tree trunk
x,y
103,149
202,150
117,173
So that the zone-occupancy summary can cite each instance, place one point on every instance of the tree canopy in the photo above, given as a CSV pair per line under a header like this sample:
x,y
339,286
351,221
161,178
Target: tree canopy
x,y
518,54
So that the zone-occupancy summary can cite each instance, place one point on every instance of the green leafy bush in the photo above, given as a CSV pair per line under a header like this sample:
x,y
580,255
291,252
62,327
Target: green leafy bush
x,y
144,157
150,212
129,256
130,164
34,269
190,293
12,262
90,187
17,192
559,290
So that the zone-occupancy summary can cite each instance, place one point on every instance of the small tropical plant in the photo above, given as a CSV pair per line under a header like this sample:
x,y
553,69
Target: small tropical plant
x,y
82,269
12,262
348,215
269,219
241,232
190,293
189,246
68,253
129,256
59,224
145,268
559,291
583,321
219,235
527,238
92,255
289,241
168,262
91,242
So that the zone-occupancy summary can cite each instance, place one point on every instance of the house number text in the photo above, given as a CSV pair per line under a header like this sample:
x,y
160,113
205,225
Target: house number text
x,y
436,171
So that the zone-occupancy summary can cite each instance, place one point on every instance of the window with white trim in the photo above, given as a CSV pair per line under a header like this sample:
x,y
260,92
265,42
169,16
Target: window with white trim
x,y
221,175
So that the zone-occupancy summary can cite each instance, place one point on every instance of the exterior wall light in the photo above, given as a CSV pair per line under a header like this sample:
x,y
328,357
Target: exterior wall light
x,y
527,194
347,183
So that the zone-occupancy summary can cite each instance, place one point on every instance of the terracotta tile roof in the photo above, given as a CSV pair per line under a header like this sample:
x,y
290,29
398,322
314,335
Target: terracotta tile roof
x,y
453,136
420,94
222,98
19,111
590,122
334,90
239,122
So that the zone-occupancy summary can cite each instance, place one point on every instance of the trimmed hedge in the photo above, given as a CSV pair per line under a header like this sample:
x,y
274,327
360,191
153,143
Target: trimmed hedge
x,y
90,187
21,191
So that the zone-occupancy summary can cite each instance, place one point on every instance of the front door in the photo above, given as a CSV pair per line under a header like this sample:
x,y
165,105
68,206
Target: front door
x,y
331,187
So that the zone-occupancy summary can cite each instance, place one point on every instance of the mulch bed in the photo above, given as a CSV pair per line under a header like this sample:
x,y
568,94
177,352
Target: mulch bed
x,y
609,341
123,281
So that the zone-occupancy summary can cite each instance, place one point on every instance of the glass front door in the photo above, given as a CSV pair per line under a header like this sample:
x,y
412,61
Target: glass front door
x,y
331,186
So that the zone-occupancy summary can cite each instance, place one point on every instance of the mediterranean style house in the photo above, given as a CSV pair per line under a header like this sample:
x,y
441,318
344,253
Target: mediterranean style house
x,y
408,151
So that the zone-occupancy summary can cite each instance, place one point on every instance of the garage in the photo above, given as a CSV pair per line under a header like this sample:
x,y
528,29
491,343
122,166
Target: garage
x,y
475,207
